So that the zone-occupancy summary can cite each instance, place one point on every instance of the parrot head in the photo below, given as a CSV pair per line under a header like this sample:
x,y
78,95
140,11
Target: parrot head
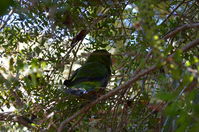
x,y
101,56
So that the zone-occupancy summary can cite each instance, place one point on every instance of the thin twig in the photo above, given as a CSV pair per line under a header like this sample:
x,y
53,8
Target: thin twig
x,y
91,27
180,93
77,122
149,114
75,55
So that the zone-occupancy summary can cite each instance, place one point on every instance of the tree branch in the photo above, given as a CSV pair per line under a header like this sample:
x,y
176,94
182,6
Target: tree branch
x,y
191,44
181,28
10,116
173,12
8,18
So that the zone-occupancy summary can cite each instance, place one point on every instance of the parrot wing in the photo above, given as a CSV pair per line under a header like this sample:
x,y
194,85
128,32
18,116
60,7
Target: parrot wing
x,y
91,76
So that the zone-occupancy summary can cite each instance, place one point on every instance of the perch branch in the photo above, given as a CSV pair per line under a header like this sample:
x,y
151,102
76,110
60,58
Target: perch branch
x,y
111,93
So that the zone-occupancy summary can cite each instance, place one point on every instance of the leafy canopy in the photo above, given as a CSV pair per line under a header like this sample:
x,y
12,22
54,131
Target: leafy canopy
x,y
43,41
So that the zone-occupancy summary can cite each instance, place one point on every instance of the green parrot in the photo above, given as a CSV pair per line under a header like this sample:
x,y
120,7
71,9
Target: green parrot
x,y
92,77
4,6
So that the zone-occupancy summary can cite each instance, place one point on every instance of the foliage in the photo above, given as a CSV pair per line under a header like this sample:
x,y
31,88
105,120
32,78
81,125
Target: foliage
x,y
42,42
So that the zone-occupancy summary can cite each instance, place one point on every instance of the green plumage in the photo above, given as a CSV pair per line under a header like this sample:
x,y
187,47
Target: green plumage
x,y
92,77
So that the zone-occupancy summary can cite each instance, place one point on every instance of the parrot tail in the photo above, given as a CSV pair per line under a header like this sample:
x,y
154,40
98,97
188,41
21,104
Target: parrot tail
x,y
77,92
